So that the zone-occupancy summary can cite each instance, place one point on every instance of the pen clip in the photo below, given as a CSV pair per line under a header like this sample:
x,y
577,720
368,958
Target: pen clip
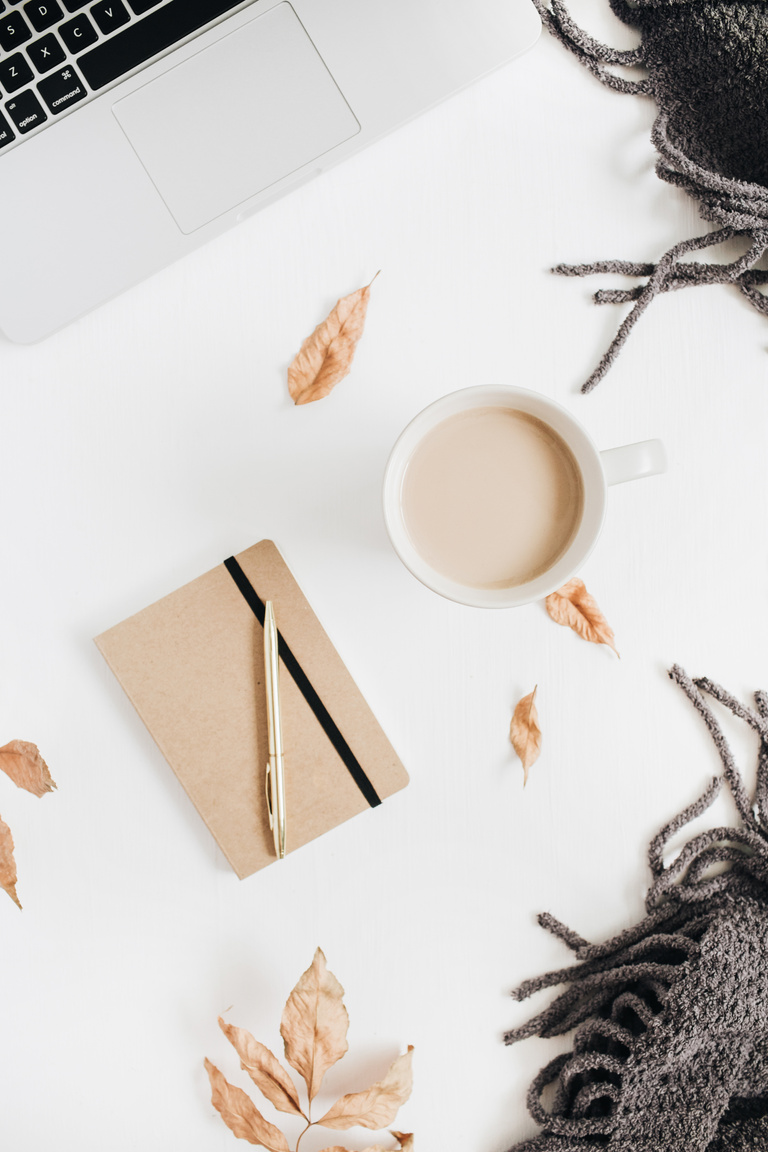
x,y
268,789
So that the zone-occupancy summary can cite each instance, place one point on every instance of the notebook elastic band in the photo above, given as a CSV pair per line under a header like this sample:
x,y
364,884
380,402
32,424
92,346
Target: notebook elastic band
x,y
326,721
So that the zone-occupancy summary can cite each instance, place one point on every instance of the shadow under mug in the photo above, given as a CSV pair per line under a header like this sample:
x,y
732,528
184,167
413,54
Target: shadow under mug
x,y
598,470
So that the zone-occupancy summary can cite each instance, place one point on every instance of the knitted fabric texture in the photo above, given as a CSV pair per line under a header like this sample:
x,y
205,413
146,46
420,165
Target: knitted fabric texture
x,y
707,70
670,1051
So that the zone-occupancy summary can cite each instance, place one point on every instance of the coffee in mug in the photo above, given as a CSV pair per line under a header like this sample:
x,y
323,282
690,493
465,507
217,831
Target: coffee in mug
x,y
494,495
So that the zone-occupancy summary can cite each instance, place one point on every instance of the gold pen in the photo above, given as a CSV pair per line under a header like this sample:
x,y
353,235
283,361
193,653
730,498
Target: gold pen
x,y
275,782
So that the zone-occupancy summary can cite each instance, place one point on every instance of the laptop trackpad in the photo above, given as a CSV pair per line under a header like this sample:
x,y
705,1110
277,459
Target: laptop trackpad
x,y
236,118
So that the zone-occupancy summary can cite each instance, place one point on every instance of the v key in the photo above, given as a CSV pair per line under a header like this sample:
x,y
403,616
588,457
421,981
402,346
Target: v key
x,y
110,14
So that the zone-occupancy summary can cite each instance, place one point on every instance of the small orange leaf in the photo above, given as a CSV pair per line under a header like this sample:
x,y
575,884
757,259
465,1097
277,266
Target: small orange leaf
x,y
326,356
241,1115
378,1105
371,1148
264,1069
405,1144
7,863
574,607
314,1024
23,763
524,732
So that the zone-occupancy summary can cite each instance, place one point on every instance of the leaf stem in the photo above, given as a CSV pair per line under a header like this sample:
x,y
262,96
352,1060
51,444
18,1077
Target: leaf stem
x,y
298,1141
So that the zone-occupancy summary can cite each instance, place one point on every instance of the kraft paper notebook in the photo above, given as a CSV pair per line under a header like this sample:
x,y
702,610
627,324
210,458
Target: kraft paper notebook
x,y
193,666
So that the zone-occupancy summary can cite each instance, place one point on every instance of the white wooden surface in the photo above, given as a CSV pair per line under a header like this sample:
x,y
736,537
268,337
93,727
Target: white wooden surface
x,y
155,437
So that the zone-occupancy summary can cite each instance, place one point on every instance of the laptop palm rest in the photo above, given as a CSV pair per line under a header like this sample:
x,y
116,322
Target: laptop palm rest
x,y
236,118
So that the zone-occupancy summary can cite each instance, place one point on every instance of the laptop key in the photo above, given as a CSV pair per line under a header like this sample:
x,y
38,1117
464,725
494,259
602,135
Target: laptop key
x,y
139,7
46,53
141,41
62,89
42,14
14,30
6,132
74,5
26,111
78,33
15,73
110,15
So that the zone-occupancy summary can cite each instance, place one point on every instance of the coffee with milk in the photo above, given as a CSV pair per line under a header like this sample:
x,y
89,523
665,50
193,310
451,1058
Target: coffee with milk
x,y
492,497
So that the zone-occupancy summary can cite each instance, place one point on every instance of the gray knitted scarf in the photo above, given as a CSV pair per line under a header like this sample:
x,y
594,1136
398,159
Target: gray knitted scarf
x,y
707,70
670,1051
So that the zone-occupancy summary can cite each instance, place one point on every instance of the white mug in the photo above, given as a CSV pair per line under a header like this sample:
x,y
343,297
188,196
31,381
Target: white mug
x,y
597,470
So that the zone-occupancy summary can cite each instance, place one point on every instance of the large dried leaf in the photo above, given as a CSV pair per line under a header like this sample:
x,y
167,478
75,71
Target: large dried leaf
x,y
524,732
406,1140
264,1069
241,1115
576,608
314,1024
326,356
23,763
7,863
378,1105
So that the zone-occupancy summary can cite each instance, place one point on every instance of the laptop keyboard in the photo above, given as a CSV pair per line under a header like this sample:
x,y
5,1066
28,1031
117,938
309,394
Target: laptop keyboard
x,y
56,53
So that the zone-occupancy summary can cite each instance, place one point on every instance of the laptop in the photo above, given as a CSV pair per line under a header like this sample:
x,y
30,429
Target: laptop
x,y
132,131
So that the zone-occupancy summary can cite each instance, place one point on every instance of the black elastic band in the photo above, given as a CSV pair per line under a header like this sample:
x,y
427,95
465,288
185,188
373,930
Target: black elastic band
x,y
324,717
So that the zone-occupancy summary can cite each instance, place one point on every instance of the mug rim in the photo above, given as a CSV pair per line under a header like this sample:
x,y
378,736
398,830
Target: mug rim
x,y
562,422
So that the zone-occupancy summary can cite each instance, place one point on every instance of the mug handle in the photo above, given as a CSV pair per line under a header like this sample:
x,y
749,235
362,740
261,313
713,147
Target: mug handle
x,y
633,461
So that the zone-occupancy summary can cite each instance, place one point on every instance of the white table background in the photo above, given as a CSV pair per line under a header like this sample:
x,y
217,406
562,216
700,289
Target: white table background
x,y
152,439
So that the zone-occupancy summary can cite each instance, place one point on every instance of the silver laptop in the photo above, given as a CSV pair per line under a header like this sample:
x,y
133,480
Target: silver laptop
x,y
131,131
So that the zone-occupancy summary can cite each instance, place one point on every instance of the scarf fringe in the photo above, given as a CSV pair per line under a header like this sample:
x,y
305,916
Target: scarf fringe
x,y
618,988
740,209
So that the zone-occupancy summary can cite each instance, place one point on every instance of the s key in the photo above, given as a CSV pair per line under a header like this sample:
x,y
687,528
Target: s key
x,y
14,30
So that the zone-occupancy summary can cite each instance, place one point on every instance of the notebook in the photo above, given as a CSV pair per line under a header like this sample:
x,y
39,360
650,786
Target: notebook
x,y
131,131
193,666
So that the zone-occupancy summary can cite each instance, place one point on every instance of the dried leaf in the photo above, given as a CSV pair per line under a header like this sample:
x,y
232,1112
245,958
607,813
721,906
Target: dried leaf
x,y
405,1140
314,1024
371,1148
576,608
264,1069
241,1115
378,1105
23,763
326,356
7,863
524,732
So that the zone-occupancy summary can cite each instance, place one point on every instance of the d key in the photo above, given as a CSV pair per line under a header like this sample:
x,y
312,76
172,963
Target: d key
x,y
42,14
